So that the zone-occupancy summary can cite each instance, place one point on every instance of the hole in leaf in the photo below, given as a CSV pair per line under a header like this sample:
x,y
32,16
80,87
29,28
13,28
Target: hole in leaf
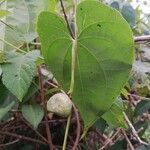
x,y
98,25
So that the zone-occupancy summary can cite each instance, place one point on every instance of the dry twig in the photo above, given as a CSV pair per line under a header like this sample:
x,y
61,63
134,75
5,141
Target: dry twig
x,y
133,129
21,137
109,140
127,139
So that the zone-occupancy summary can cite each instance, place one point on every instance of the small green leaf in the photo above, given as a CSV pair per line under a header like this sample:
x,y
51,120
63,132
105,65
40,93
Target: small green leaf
x,y
141,125
2,57
100,125
114,116
52,5
5,109
4,13
0,70
146,134
19,72
6,97
115,5
33,114
124,92
143,147
25,147
31,92
119,145
142,107
129,14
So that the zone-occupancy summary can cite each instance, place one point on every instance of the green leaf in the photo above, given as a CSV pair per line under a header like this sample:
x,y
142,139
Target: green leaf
x,y
19,72
52,5
2,57
101,65
146,134
1,71
5,96
141,125
100,125
26,147
115,5
22,21
7,101
142,107
118,145
129,14
4,13
31,92
56,45
33,114
143,147
114,116
4,110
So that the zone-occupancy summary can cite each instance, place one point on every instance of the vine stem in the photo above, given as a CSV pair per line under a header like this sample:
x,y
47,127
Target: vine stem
x,y
65,16
74,47
74,51
45,110
78,129
18,49
6,24
66,133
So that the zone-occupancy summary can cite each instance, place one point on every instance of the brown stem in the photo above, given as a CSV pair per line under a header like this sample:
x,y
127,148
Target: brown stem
x,y
45,110
6,24
127,139
10,143
110,140
142,38
101,137
42,137
133,130
65,16
76,143
23,137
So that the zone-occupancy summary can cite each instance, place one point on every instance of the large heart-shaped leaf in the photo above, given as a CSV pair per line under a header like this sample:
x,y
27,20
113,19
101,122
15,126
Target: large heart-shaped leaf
x,y
104,55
